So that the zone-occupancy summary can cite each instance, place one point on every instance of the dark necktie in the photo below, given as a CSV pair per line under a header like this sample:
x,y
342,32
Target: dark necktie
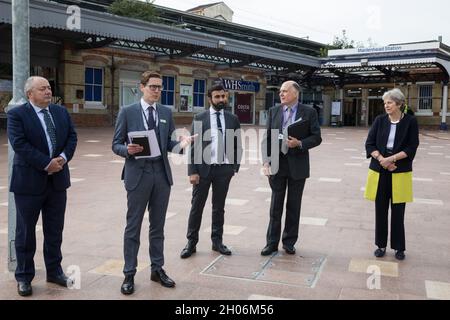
x,y
151,119
50,130
220,144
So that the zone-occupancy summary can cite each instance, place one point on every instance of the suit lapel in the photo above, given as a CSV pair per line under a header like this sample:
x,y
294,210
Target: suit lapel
x,y
137,115
162,125
37,124
277,118
300,112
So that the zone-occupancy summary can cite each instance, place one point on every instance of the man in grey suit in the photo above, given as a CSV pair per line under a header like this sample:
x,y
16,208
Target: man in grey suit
x,y
214,160
292,169
147,181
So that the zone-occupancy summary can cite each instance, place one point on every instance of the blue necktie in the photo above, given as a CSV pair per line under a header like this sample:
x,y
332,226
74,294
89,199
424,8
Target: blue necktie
x,y
50,130
151,119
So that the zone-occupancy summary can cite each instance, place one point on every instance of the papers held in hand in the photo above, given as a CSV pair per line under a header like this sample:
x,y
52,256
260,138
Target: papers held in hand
x,y
299,129
148,140
143,142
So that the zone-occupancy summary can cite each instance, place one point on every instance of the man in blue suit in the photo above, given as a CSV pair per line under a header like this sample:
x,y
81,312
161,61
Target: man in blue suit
x,y
147,180
43,138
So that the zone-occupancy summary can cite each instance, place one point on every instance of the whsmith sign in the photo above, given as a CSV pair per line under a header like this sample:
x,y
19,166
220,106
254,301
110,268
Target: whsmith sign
x,y
392,48
240,85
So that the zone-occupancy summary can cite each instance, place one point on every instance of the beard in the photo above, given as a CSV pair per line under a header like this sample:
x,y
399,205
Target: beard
x,y
219,106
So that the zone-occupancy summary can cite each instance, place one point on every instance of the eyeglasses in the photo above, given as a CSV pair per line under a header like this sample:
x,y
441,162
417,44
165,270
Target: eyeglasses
x,y
154,87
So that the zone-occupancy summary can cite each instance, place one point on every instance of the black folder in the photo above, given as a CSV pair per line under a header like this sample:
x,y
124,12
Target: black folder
x,y
299,129
142,141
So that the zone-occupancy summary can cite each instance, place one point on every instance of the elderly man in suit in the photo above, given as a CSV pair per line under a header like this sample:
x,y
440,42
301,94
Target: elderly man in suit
x,y
214,161
292,169
147,181
43,138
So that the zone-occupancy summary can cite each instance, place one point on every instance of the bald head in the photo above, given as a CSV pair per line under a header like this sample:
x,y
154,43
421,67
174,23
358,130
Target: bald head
x,y
289,93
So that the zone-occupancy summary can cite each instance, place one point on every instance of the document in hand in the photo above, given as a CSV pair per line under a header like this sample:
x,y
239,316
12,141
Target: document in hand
x,y
142,141
299,129
148,140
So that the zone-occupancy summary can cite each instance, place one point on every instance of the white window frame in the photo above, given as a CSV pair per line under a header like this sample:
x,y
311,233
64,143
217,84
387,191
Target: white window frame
x,y
424,112
174,90
96,104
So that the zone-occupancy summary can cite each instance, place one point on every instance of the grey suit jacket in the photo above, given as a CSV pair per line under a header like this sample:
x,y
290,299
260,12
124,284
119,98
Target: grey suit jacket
x,y
298,158
130,119
199,159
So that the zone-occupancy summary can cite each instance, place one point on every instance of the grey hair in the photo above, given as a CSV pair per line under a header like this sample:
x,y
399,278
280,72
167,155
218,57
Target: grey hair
x,y
294,85
395,95
28,86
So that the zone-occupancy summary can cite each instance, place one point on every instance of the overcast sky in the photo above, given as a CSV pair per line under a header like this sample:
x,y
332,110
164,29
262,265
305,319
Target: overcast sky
x,y
384,21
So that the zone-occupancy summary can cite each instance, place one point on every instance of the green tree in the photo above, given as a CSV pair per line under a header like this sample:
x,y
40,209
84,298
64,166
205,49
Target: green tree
x,y
135,9
343,42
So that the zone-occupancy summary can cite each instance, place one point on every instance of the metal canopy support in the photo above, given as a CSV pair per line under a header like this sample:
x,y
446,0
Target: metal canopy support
x,y
21,71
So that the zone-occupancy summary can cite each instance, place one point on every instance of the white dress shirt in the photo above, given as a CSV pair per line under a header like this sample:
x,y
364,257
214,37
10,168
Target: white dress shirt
x,y
44,126
145,115
215,134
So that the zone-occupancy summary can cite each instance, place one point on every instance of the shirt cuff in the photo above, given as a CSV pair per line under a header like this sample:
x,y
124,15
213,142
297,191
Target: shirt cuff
x,y
64,156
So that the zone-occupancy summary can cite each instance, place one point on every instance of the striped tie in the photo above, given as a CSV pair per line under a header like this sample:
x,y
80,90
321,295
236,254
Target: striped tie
x,y
50,130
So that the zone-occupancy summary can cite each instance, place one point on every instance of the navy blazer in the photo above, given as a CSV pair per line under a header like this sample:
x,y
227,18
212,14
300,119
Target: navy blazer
x,y
298,158
406,139
29,142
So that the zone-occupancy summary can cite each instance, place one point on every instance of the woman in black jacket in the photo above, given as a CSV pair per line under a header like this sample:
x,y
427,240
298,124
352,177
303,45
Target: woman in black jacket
x,y
391,144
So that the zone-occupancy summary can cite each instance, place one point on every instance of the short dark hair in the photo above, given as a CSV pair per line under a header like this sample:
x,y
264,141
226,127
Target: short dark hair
x,y
215,87
147,75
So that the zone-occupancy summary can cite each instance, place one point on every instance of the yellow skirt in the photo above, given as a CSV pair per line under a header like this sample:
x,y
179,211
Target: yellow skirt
x,y
401,186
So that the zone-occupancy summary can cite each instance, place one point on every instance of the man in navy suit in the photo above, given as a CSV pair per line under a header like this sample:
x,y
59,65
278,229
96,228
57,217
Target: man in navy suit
x,y
43,138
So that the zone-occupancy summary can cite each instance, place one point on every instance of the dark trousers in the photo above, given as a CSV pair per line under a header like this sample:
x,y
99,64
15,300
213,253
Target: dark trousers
x,y
382,201
153,191
52,203
278,183
219,177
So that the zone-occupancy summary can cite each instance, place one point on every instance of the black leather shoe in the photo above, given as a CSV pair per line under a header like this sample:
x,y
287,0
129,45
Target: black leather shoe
x,y
289,249
161,277
222,249
127,285
268,250
24,288
60,279
380,252
400,255
188,251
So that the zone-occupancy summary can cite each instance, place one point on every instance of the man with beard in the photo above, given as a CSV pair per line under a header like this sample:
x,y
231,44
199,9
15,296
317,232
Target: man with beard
x,y
214,160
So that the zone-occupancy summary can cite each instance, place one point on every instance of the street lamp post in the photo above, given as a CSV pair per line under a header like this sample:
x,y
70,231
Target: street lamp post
x,y
21,71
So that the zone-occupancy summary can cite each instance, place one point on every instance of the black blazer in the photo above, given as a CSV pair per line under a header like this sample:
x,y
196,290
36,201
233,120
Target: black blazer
x,y
298,158
31,154
199,160
406,139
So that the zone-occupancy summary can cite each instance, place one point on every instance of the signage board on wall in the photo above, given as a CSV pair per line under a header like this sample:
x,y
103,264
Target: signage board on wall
x,y
241,85
186,99
243,108
336,108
